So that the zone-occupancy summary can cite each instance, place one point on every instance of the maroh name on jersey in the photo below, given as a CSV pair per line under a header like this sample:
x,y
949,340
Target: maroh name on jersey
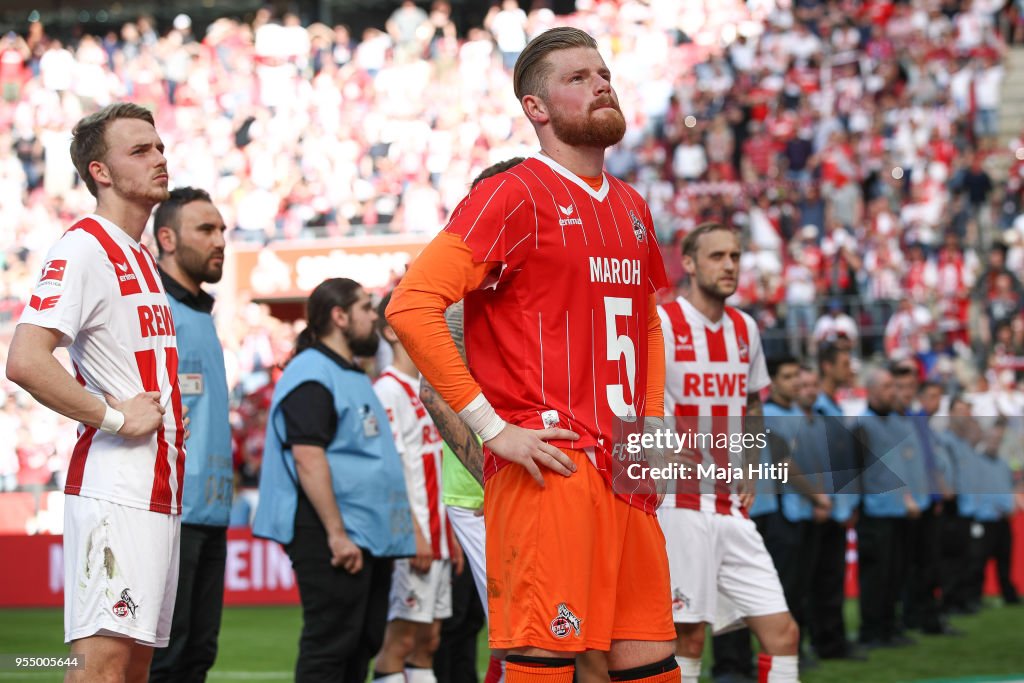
x,y
615,271
155,320
722,384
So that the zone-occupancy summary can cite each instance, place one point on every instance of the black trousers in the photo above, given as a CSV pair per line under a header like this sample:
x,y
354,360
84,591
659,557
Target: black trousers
x,y
794,549
733,654
455,659
828,592
920,603
197,607
955,558
881,550
343,615
996,543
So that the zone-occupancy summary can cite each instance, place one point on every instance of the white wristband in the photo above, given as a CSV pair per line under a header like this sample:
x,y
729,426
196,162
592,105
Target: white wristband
x,y
482,419
113,420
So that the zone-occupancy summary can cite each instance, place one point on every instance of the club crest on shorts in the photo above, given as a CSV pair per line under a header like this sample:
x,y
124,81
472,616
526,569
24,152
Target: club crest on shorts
x,y
412,601
565,622
679,600
125,606
639,229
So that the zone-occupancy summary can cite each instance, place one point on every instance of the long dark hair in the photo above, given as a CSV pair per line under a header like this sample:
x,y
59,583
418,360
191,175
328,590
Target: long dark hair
x,y
335,291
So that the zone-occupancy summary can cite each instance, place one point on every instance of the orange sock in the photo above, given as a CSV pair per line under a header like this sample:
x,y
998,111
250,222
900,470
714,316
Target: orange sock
x,y
524,673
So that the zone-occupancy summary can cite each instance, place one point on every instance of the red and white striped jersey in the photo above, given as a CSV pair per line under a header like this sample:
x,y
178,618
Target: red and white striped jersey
x,y
710,370
420,445
100,289
559,338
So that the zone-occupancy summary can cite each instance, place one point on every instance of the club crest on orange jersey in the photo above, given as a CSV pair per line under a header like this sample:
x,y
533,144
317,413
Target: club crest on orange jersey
x,y
639,229
565,622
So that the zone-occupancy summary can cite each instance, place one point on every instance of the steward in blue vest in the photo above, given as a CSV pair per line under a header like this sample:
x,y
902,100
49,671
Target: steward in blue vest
x,y
364,466
190,240
206,499
332,488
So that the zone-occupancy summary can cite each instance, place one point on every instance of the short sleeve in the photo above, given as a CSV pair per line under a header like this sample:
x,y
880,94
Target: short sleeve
x,y
759,378
657,276
68,295
309,416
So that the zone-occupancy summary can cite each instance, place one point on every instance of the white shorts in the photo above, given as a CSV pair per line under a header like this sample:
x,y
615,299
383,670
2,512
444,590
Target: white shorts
x,y
421,597
720,570
470,530
120,571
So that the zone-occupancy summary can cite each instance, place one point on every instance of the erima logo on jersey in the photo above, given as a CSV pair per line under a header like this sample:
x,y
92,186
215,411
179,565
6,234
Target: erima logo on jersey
x,y
568,211
124,272
683,342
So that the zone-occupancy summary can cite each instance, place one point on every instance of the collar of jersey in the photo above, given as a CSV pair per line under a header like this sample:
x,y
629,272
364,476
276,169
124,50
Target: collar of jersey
x,y
408,379
599,195
707,323
113,229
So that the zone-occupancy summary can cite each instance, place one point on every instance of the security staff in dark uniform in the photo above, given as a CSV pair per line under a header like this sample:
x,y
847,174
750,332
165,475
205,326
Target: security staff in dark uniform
x,y
958,512
921,607
828,583
891,483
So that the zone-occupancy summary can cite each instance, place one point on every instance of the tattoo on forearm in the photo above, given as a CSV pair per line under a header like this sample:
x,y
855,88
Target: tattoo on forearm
x,y
459,437
454,431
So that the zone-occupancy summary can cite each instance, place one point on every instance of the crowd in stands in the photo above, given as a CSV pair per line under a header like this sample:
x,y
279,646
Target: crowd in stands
x,y
855,142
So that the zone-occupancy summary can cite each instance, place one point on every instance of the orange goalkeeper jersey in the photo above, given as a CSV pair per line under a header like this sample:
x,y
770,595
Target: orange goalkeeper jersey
x,y
560,323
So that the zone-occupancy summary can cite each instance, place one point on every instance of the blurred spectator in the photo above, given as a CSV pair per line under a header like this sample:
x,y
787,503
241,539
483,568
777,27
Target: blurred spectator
x,y
404,28
836,327
507,22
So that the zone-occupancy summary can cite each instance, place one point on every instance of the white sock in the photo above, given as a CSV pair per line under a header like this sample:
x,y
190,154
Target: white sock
x,y
417,675
390,678
778,668
689,669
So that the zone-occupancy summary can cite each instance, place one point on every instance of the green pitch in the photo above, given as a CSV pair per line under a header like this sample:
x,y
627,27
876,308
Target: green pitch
x,y
259,644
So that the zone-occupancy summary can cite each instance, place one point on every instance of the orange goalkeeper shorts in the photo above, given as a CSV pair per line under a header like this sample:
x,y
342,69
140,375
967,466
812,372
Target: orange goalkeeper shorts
x,y
571,567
